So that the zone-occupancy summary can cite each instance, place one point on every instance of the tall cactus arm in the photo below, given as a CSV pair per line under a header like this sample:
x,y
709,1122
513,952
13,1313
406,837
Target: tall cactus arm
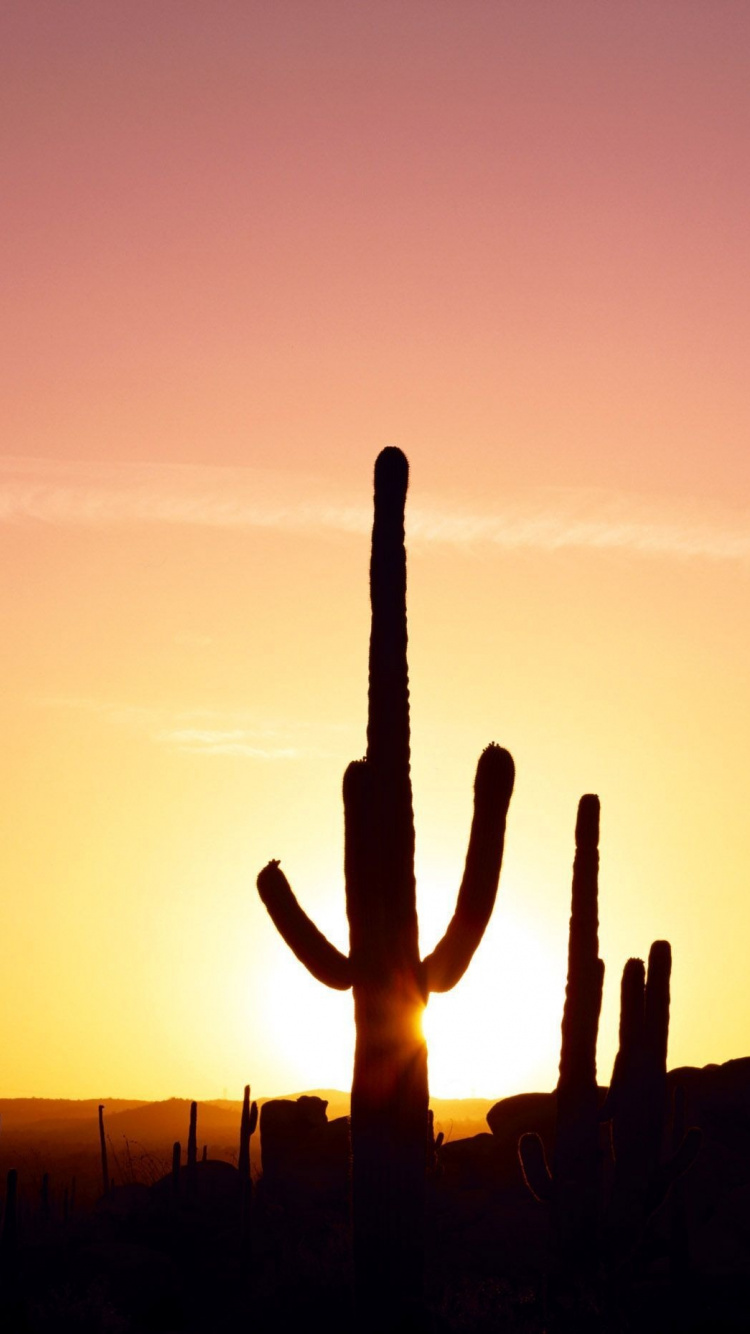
x,y
388,717
632,1021
583,993
656,1007
493,787
319,956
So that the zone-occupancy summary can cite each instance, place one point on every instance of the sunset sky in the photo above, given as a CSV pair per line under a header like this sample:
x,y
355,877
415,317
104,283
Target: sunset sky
x,y
245,245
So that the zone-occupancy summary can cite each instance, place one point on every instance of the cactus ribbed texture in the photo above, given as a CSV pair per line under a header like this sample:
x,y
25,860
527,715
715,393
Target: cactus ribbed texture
x,y
391,983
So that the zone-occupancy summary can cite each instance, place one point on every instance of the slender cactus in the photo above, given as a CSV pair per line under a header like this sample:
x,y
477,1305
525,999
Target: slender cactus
x,y
636,1104
391,983
103,1148
243,1162
192,1150
248,1124
595,1231
572,1187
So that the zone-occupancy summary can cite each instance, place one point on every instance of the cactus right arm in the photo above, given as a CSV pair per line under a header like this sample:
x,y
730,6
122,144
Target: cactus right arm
x,y
319,956
493,788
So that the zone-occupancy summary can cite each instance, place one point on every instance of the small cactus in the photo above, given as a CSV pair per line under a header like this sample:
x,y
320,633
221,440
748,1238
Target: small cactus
x,y
176,1155
192,1150
248,1124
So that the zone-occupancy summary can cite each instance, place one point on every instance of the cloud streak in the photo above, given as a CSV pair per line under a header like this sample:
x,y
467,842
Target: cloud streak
x,y
201,731
548,520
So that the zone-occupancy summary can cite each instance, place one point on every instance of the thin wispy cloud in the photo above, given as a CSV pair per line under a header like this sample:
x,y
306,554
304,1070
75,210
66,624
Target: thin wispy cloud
x,y
202,731
233,741
547,520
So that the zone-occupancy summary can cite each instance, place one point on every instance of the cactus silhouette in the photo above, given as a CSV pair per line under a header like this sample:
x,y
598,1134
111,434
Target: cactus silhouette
x,y
637,1105
390,982
248,1124
592,1235
192,1150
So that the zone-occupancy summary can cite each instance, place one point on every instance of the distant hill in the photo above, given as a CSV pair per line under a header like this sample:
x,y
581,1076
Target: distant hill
x,y
69,1127
16,1112
73,1124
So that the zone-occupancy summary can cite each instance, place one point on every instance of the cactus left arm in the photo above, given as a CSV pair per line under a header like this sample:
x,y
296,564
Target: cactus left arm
x,y
476,898
319,956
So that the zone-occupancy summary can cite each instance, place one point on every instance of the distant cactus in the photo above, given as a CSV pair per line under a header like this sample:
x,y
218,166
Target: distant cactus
x,y
248,1124
176,1155
103,1148
573,1186
636,1104
247,1128
434,1144
391,982
192,1150
592,1227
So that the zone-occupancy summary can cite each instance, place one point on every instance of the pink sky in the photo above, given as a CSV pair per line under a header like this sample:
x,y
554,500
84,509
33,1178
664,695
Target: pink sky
x,y
244,246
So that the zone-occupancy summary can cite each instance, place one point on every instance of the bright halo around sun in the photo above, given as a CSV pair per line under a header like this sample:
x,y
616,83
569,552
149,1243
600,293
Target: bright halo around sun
x,y
309,1028
498,1032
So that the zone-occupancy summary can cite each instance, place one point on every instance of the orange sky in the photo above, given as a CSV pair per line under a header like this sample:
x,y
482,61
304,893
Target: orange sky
x,y
244,246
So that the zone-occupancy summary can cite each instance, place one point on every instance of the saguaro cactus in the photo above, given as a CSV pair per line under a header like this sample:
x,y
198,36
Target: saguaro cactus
x,y
248,1123
637,1105
594,1228
192,1150
573,1186
391,983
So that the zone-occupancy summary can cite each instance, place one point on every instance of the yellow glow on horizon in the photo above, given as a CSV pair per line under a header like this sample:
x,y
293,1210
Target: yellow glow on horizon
x,y
244,250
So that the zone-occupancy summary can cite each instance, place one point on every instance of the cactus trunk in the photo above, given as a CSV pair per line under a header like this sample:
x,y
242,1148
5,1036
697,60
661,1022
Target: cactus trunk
x,y
389,980
389,1087
576,1168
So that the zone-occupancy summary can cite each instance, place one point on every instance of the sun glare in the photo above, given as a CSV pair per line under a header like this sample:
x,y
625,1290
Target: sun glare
x,y
498,1031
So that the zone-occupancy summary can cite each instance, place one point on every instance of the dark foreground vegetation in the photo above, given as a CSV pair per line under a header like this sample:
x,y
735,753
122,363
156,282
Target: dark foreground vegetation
x,y
160,1252
586,1211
